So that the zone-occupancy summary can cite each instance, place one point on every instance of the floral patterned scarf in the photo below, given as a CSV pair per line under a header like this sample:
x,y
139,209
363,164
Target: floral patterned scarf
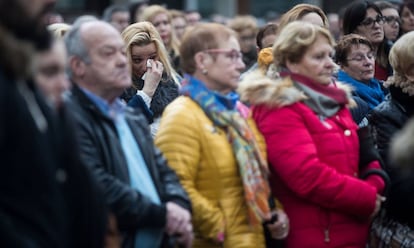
x,y
252,166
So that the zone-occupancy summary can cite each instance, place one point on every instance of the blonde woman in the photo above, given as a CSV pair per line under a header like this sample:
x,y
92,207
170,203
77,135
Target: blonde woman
x,y
155,82
161,19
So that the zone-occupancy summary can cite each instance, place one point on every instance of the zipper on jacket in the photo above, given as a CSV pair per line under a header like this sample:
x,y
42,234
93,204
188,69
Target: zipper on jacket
x,y
326,232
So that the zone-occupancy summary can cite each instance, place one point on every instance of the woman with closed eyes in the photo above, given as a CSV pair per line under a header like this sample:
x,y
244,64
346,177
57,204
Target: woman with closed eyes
x,y
356,57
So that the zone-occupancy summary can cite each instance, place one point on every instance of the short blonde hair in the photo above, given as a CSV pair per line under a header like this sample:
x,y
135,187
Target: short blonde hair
x,y
201,37
149,13
144,33
294,40
300,10
58,30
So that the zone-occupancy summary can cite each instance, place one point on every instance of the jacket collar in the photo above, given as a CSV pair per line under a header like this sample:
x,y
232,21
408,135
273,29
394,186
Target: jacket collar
x,y
259,89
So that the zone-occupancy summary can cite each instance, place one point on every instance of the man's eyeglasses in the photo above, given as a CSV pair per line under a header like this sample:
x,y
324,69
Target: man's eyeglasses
x,y
361,57
392,20
370,21
233,54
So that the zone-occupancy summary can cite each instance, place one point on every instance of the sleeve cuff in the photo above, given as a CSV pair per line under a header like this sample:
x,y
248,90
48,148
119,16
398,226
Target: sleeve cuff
x,y
145,97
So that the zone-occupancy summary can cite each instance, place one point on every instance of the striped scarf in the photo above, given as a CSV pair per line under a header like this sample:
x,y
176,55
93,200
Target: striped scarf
x,y
252,166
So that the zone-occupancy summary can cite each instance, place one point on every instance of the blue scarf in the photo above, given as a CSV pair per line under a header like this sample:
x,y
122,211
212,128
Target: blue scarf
x,y
371,93
252,166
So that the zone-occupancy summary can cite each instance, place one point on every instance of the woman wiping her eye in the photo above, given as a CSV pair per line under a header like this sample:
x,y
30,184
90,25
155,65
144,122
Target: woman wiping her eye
x,y
155,82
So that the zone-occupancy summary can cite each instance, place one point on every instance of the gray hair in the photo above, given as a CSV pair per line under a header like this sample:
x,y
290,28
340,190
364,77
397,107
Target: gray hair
x,y
84,18
75,45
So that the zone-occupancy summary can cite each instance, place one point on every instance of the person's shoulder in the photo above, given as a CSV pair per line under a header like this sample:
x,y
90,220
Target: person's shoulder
x,y
135,114
183,102
182,109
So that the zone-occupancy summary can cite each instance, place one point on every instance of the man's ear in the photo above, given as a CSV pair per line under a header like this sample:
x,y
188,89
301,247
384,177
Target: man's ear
x,y
77,66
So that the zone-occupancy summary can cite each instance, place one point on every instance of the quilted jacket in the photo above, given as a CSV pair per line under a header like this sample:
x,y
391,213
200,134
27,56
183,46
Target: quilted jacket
x,y
202,157
314,164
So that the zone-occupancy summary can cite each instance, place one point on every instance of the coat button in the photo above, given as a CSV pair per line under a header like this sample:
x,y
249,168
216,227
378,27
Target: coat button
x,y
347,132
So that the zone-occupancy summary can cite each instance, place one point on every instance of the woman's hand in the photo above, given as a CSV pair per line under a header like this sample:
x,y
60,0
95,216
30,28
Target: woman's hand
x,y
152,77
280,228
378,202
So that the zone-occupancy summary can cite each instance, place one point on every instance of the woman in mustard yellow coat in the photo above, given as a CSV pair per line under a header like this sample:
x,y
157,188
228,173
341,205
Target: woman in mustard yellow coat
x,y
215,148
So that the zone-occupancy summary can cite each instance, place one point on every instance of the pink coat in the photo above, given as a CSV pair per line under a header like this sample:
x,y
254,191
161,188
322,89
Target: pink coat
x,y
314,165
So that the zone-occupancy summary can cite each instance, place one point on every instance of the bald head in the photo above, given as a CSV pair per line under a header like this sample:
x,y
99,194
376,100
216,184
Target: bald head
x,y
98,59
94,31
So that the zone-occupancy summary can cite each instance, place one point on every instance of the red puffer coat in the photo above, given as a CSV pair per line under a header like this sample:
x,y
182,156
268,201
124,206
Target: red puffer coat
x,y
314,166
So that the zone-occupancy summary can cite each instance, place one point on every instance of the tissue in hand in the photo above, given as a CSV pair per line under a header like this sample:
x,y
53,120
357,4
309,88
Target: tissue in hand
x,y
148,66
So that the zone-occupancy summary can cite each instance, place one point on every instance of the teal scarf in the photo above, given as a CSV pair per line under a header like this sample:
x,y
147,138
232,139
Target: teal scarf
x,y
252,167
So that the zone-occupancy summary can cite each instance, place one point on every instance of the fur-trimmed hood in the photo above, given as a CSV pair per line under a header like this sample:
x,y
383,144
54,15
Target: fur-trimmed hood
x,y
273,91
402,82
15,55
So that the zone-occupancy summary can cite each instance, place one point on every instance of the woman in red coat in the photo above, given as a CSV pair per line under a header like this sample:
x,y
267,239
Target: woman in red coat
x,y
312,143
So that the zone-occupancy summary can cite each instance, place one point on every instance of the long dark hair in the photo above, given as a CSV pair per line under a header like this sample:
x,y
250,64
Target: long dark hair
x,y
354,14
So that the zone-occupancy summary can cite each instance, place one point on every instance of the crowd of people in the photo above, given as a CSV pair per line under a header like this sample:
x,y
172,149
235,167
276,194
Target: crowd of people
x,y
150,127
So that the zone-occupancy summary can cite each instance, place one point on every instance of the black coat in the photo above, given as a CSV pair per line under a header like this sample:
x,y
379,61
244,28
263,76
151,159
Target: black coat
x,y
101,150
46,195
386,119
389,117
165,93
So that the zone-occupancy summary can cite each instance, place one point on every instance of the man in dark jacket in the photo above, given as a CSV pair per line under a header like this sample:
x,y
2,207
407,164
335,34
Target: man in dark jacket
x,y
45,193
141,190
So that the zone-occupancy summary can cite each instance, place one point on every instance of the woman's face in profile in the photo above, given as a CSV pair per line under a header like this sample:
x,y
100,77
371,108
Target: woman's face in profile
x,y
224,65
316,63
392,23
